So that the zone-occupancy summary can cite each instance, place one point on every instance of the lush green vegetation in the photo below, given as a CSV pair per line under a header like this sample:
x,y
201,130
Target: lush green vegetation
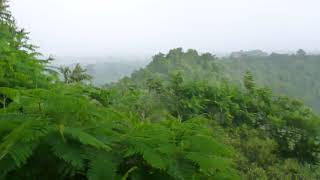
x,y
293,75
179,118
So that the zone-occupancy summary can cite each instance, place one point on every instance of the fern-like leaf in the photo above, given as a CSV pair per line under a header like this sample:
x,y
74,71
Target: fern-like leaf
x,y
102,166
86,138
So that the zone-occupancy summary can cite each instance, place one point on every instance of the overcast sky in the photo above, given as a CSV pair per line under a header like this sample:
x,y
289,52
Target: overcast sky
x,y
106,27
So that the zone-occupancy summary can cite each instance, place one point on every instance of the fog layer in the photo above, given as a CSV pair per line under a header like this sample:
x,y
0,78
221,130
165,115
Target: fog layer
x,y
104,27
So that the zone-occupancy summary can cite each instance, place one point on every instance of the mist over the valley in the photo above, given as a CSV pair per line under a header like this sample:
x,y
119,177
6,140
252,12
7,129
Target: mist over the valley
x,y
159,89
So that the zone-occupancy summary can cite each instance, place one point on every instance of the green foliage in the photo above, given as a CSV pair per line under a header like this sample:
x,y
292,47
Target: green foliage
x,y
158,124
268,129
190,64
292,75
248,82
19,66
75,75
79,132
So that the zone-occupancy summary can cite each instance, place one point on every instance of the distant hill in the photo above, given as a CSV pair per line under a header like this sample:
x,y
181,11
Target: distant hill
x,y
105,69
107,72
251,53
294,75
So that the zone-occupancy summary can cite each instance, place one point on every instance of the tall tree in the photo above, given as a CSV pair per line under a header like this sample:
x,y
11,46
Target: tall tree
x,y
79,74
301,53
19,65
4,13
248,81
75,75
65,71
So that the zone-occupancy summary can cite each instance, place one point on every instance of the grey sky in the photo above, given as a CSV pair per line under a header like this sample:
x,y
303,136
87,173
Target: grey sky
x,y
104,27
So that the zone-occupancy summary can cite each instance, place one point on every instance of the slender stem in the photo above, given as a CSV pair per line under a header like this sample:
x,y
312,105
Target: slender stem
x,y
125,177
4,102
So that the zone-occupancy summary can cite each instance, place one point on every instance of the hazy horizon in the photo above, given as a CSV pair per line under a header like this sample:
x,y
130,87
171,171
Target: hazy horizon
x,y
145,27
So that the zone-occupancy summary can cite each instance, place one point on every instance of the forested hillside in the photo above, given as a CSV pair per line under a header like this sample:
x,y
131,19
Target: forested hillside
x,y
171,120
293,75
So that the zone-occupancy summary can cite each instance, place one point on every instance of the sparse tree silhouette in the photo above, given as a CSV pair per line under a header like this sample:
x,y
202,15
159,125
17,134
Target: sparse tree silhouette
x,y
301,53
75,75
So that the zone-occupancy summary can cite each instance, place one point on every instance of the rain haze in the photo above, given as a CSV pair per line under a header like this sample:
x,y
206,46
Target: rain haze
x,y
146,27
159,89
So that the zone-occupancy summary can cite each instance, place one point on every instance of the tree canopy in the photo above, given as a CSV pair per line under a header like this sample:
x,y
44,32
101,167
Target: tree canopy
x,y
179,118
